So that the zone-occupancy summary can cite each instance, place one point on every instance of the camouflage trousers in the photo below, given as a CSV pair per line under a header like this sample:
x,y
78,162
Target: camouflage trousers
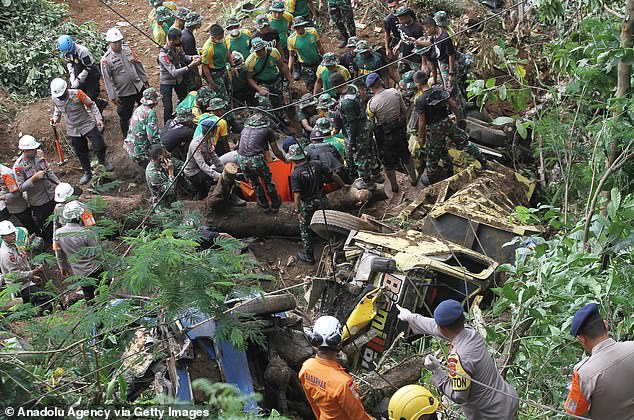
x,y
361,155
223,84
307,209
453,88
309,74
257,172
436,138
340,12
276,94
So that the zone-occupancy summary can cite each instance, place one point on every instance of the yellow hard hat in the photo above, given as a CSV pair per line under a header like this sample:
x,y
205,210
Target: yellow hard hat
x,y
410,402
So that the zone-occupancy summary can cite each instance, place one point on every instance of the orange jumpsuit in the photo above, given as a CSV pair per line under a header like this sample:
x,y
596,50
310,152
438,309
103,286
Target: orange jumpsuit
x,y
330,391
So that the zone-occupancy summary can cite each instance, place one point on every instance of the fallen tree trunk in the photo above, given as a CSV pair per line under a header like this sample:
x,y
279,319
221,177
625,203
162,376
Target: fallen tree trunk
x,y
222,191
374,387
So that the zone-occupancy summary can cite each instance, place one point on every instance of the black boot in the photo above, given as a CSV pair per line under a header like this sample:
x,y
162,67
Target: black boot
x,y
85,165
101,157
428,179
276,203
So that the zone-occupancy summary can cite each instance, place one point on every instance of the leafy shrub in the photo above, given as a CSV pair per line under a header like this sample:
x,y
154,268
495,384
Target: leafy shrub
x,y
28,45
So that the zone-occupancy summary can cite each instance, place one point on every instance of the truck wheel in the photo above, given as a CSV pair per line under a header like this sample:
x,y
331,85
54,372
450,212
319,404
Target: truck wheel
x,y
337,223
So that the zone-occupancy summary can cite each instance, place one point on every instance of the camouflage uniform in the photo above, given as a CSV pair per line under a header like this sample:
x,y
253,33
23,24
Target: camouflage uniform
x,y
307,209
159,183
360,146
436,137
340,12
143,132
256,169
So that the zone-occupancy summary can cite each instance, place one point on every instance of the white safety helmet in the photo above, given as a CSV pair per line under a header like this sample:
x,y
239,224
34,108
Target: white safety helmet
x,y
6,228
28,143
114,35
58,87
63,191
327,332
73,210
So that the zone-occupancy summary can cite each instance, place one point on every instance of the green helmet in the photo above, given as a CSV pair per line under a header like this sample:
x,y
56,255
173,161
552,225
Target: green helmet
x,y
299,21
407,81
324,125
402,11
193,19
261,21
277,6
181,13
362,46
231,22
203,96
151,96
163,14
441,18
216,104
352,42
257,44
295,153
307,100
258,120
183,115
329,59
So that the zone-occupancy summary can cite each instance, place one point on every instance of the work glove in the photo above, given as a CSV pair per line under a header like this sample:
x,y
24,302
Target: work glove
x,y
403,313
431,363
74,84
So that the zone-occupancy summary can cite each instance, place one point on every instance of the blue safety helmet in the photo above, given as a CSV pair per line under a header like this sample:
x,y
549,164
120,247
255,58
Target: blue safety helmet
x,y
65,44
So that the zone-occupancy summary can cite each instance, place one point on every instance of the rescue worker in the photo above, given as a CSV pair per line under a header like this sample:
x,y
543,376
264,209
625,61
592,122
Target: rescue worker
x,y
307,184
390,28
243,92
360,147
324,125
123,76
16,268
330,390
442,20
203,166
386,109
325,152
327,67
281,21
221,139
34,177
193,21
347,58
174,65
178,132
265,32
441,58
341,15
80,125
303,8
155,4
304,42
237,39
180,16
188,43
601,383
12,202
412,402
435,127
468,357
327,107
265,68
255,139
197,102
163,20
160,175
144,128
83,72
368,61
215,57
79,249
307,114
410,31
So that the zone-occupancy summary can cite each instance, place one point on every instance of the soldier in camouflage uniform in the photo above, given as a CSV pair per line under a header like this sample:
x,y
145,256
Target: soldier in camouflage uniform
x,y
144,128
340,12
307,184
327,107
435,127
255,139
360,146
160,176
